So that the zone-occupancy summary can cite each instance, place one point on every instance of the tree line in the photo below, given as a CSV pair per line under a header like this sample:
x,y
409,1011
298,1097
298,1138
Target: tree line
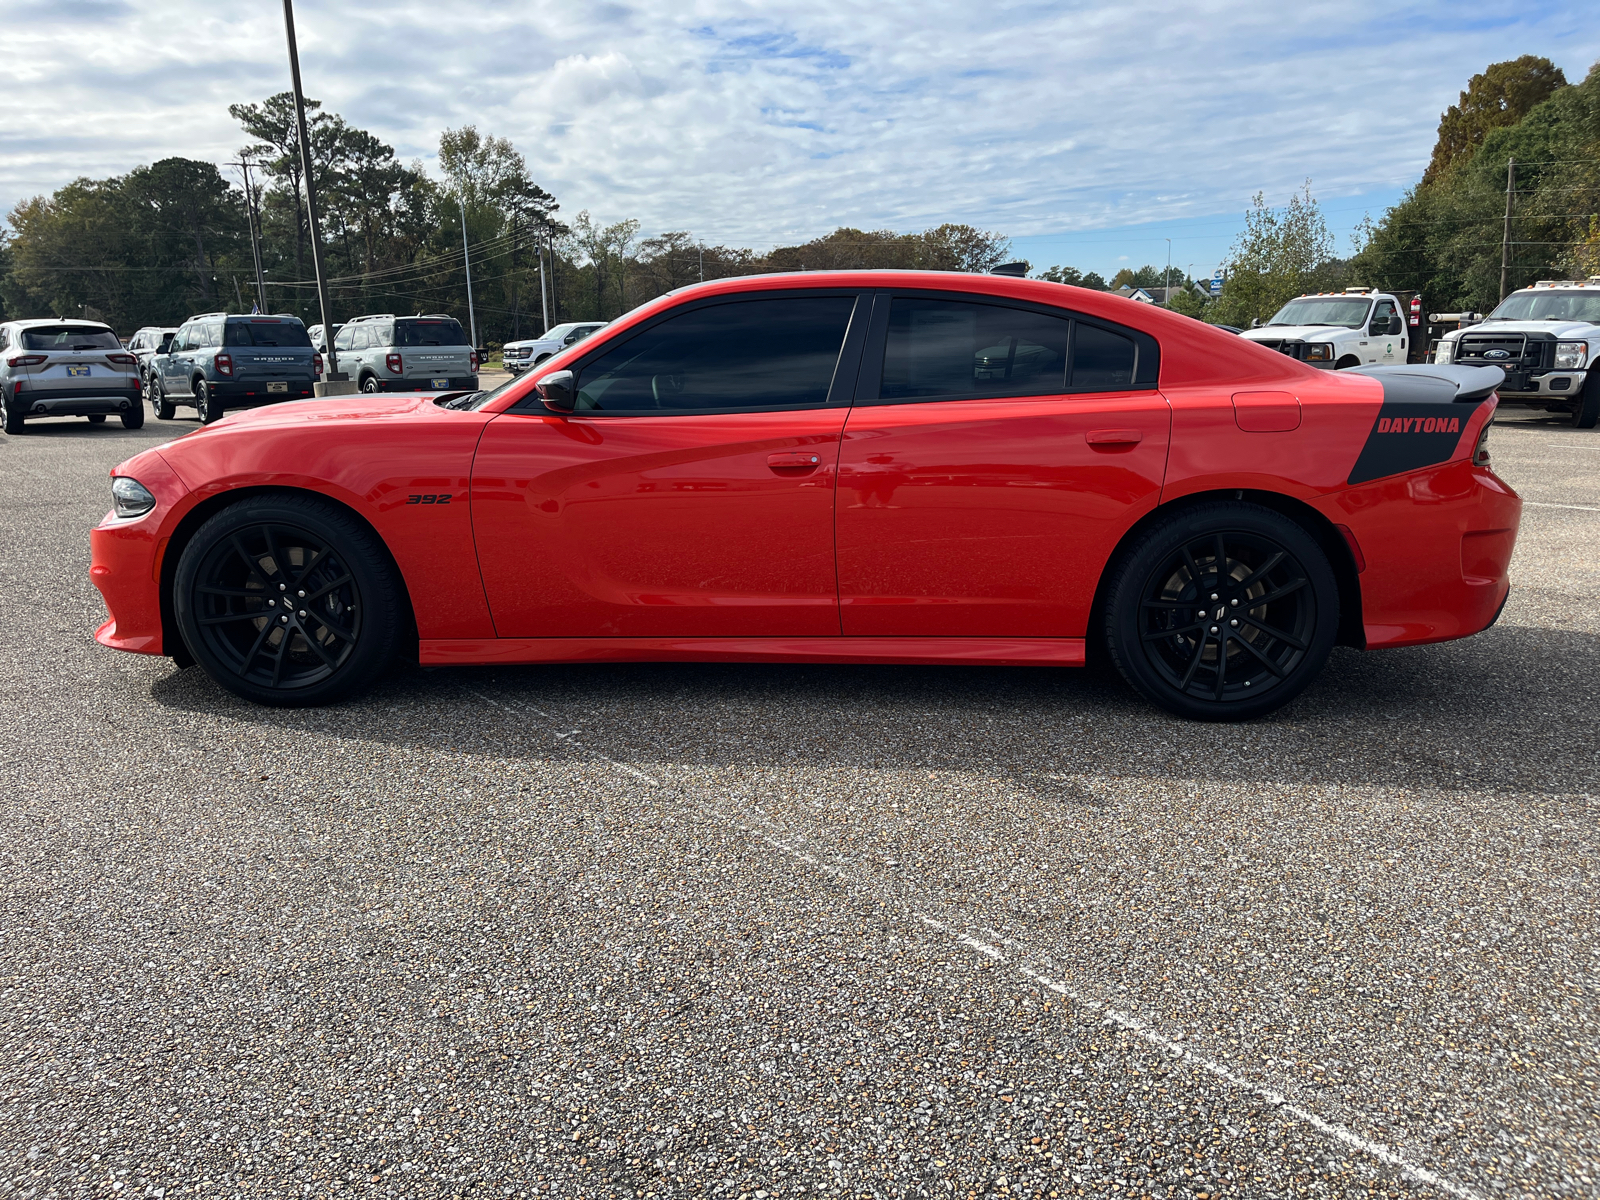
x,y
174,238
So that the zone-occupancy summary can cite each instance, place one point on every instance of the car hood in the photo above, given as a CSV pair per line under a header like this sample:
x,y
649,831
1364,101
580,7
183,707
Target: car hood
x,y
1574,330
363,407
1303,332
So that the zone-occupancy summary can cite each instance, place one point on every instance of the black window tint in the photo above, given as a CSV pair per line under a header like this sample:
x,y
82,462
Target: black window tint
x,y
748,355
429,331
953,349
69,337
267,333
1101,360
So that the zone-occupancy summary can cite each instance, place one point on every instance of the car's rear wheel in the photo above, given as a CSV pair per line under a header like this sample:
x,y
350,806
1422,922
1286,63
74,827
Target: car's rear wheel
x,y
133,418
288,600
370,384
1222,612
1587,413
207,403
14,421
164,408
97,418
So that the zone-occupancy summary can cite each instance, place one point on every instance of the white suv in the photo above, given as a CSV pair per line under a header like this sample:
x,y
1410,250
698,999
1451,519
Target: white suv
x,y
67,368
519,356
1545,338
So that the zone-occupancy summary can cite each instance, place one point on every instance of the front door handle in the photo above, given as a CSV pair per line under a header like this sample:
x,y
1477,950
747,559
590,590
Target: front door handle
x,y
794,460
1114,437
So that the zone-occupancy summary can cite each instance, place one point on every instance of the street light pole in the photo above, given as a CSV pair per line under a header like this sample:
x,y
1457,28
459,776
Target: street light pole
x,y
1166,280
335,383
466,259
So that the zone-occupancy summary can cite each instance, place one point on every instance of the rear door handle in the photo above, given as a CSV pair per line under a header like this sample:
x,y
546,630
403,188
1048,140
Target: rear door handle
x,y
794,459
1114,437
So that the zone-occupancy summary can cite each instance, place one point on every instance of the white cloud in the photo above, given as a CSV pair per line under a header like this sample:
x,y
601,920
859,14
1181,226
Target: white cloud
x,y
761,123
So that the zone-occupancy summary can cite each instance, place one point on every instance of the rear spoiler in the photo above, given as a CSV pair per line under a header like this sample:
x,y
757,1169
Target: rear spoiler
x,y
1424,384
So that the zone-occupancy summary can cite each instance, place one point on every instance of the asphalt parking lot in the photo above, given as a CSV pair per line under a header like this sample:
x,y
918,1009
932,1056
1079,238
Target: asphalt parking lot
x,y
751,931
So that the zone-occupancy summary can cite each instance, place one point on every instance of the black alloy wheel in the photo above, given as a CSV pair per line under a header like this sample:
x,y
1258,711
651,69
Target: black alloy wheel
x,y
164,408
1222,612
287,600
207,403
97,418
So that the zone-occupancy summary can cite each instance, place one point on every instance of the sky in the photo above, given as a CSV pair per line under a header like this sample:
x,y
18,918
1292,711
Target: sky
x,y
1087,132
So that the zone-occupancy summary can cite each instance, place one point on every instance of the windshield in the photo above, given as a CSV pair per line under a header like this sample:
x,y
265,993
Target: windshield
x,y
1549,304
69,337
1323,310
267,333
429,331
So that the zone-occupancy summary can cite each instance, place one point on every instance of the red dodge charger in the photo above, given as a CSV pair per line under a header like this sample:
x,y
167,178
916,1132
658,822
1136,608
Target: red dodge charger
x,y
885,467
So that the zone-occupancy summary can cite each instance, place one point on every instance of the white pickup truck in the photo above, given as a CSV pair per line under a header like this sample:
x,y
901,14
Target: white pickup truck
x,y
1546,339
1358,327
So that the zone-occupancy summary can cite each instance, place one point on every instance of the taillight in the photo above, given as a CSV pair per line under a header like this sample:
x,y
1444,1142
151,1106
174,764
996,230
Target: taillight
x,y
26,360
394,363
126,360
472,356
224,364
316,364
1480,452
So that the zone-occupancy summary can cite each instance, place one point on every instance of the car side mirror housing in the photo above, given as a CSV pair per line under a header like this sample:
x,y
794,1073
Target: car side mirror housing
x,y
1255,322
557,391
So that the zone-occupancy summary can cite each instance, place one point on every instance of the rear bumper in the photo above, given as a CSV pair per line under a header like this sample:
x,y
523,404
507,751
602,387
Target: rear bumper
x,y
1437,545
238,393
74,402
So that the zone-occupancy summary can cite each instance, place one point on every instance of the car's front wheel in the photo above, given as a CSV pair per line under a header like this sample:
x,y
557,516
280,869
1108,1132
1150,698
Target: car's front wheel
x,y
288,600
97,418
165,409
1222,612
1587,414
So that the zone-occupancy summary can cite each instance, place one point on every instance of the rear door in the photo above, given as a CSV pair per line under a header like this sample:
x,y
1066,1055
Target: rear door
x,y
995,455
690,494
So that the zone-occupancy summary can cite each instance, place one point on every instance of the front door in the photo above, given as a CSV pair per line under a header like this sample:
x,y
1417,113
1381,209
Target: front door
x,y
176,365
989,470
690,493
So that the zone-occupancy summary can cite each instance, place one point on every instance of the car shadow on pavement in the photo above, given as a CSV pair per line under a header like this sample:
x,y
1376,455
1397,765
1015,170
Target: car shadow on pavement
x,y
1509,710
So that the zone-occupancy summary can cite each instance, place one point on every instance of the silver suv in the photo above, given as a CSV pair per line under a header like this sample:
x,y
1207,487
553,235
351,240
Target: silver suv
x,y
146,344
424,353
67,368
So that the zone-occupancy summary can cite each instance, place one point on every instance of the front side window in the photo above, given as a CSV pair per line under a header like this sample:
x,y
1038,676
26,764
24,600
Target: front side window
x,y
743,356
345,339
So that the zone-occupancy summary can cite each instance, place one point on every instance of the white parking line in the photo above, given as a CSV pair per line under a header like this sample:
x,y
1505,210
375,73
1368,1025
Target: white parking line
x,y
1547,504
1129,1022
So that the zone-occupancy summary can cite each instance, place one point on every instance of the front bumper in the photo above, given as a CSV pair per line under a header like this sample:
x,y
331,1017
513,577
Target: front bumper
x,y
1522,387
74,402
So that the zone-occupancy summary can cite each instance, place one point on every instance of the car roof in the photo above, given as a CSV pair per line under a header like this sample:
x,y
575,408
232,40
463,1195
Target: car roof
x,y
59,321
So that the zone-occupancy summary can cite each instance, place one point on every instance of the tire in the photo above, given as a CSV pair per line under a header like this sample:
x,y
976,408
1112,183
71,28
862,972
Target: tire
x,y
369,385
1167,639
134,418
250,556
206,403
540,359
97,418
1345,363
14,420
1586,415
165,409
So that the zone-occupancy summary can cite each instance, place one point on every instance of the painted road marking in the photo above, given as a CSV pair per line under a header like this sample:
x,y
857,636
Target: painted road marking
x,y
1276,1099
1546,504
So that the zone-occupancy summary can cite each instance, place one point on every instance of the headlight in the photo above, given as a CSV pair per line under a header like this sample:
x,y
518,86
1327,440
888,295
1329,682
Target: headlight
x,y
1319,352
130,498
1570,355
1443,352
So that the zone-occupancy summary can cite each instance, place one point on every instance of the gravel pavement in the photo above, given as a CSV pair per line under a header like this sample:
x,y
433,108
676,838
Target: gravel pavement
x,y
783,931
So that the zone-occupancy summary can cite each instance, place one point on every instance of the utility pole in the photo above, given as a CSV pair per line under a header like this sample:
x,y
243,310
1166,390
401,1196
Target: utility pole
x,y
335,382
555,297
544,290
1166,279
702,264
466,259
244,166
1505,238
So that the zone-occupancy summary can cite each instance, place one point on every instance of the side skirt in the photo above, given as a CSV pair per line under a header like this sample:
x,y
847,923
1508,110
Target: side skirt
x,y
1015,652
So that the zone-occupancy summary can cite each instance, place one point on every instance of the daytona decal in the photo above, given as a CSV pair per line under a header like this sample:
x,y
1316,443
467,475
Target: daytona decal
x,y
1407,437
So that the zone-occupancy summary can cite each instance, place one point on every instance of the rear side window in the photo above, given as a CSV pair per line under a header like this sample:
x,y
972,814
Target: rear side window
x,y
950,348
745,356
267,333
67,337
1102,361
429,331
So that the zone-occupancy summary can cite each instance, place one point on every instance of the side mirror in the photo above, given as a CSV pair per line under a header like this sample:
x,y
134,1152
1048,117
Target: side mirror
x,y
1396,328
557,391
1255,322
